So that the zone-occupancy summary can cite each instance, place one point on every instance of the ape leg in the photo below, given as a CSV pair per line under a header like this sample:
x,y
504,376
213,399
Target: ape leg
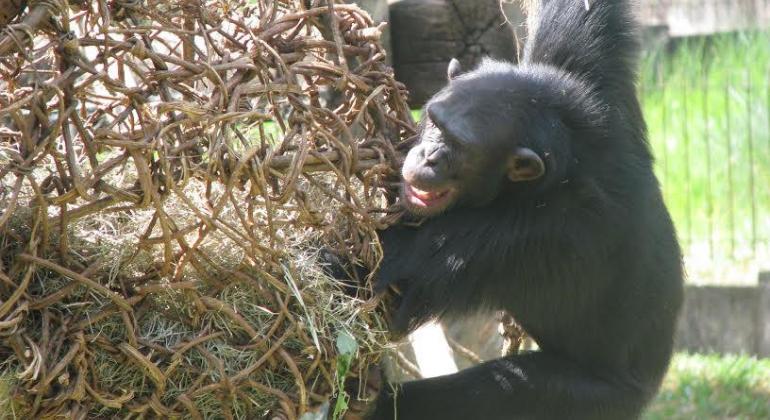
x,y
527,386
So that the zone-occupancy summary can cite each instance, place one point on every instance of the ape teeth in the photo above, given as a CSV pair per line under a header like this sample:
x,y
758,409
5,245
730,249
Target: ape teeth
x,y
426,195
422,193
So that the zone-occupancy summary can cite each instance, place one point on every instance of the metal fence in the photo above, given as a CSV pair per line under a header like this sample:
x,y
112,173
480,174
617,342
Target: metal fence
x,y
707,105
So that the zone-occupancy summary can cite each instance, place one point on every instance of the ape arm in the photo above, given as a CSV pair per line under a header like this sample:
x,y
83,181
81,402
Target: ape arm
x,y
532,385
435,270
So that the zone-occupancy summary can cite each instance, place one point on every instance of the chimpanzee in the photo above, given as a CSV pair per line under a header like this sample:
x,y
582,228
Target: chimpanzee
x,y
538,187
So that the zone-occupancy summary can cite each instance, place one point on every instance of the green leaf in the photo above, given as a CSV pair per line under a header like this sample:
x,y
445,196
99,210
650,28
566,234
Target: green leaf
x,y
347,347
346,344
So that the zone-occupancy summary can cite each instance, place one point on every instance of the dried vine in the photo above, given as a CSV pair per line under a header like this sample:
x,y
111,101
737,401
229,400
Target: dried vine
x,y
168,171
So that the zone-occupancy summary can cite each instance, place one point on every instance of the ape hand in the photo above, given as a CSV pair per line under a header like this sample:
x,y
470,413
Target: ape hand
x,y
408,301
383,407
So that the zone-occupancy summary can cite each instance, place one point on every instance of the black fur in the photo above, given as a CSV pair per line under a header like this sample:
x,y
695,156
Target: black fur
x,y
584,257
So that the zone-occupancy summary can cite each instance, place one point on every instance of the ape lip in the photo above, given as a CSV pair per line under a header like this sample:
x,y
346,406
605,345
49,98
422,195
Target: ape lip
x,y
423,198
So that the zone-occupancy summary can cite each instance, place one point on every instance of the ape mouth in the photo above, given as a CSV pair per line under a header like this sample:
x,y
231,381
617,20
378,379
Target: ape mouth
x,y
426,200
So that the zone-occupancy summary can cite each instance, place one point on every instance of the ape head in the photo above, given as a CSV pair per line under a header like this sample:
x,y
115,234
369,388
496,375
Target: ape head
x,y
489,130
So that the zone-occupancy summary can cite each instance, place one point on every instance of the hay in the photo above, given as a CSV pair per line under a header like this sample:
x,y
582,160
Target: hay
x,y
168,172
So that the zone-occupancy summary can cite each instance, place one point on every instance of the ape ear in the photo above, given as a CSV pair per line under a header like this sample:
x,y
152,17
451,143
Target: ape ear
x,y
454,69
525,165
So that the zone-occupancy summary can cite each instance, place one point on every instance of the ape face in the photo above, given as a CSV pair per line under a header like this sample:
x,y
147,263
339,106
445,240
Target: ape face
x,y
473,140
436,172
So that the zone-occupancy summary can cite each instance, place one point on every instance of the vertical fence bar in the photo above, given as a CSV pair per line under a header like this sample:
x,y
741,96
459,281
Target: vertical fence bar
x,y
765,232
750,134
687,175
730,198
664,127
707,140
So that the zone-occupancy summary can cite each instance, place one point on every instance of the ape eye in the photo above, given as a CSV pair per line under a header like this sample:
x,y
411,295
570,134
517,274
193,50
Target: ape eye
x,y
436,132
452,140
430,125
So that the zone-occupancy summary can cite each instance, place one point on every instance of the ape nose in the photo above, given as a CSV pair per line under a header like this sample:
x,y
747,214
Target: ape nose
x,y
431,156
431,160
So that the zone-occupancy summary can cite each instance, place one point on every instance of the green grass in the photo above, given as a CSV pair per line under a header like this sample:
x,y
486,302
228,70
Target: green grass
x,y
707,101
713,387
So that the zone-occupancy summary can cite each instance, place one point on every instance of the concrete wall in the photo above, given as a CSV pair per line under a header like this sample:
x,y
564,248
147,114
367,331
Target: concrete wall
x,y
723,319
703,17
727,319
